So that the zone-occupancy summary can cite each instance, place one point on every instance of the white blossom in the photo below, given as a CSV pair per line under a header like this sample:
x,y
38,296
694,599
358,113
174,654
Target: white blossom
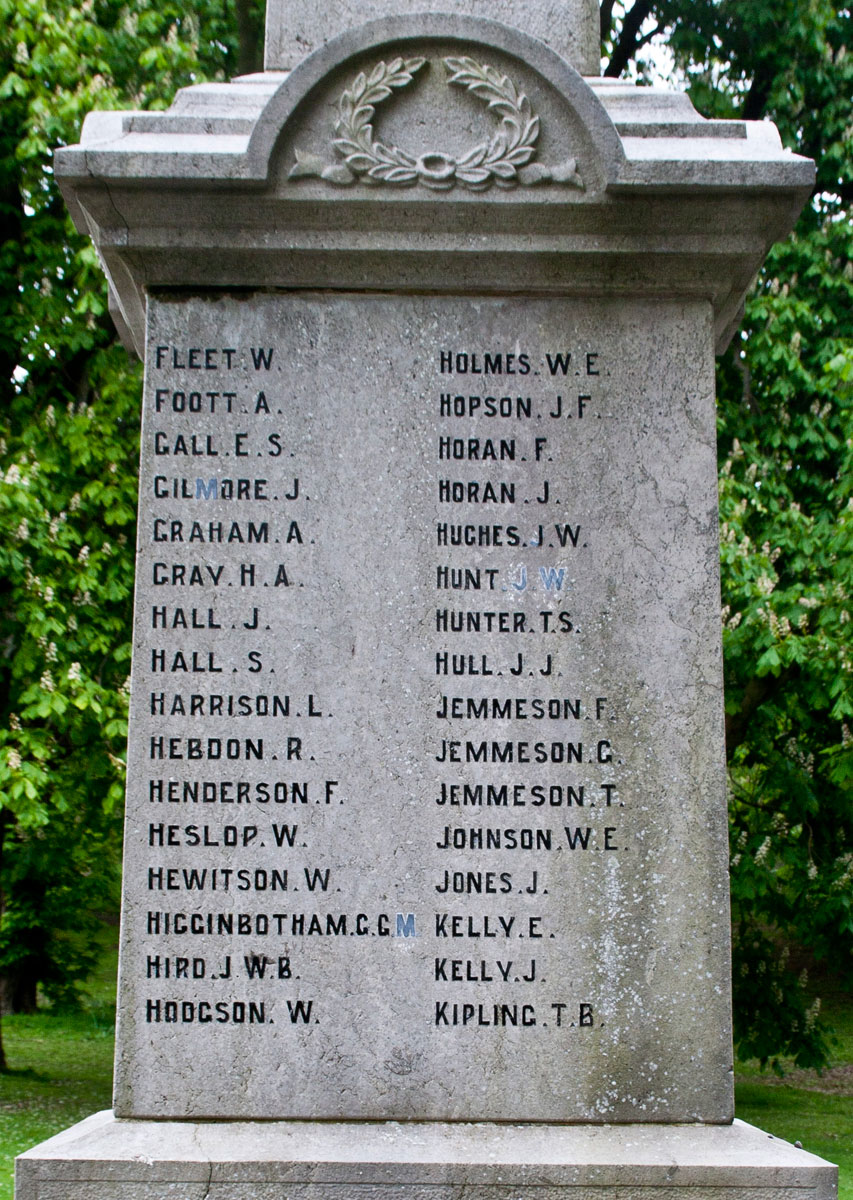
x,y
812,1014
763,850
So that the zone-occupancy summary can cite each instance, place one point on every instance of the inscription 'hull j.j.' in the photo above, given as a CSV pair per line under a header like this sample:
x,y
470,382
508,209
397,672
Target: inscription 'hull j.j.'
x,y
425,877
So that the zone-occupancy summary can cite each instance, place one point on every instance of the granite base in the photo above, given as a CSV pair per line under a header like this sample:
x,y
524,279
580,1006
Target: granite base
x,y
104,1158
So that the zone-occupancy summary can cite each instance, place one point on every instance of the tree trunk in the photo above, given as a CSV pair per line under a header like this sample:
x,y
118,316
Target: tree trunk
x,y
4,816
248,40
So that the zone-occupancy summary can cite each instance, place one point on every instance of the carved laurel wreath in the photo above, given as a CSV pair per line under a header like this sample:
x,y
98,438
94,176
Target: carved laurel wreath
x,y
504,160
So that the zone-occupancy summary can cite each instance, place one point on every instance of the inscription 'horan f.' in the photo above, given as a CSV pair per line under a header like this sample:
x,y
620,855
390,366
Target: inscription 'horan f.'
x,y
477,449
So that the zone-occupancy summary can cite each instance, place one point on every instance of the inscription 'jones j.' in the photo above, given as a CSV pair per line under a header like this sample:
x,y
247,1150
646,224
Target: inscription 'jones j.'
x,y
419,682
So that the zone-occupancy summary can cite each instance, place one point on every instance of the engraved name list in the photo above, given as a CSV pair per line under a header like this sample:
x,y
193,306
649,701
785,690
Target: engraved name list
x,y
406,758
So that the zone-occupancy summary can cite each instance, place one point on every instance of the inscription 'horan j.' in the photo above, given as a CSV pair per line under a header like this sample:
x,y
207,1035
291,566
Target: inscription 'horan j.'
x,y
457,491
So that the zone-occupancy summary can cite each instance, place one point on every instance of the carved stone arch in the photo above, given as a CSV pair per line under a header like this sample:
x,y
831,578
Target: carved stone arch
x,y
574,151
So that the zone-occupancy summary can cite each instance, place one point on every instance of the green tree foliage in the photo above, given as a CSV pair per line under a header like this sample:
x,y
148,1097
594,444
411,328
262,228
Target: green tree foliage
x,y
785,393
69,443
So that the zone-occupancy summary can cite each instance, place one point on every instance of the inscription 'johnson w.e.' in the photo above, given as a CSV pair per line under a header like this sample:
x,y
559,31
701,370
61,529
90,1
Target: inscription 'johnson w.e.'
x,y
504,160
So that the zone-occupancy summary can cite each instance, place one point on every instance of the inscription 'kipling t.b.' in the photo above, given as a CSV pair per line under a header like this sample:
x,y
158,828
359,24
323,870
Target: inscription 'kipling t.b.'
x,y
425,877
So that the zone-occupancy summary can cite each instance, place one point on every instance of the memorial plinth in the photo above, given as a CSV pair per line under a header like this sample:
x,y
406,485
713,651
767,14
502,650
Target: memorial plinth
x,y
425,872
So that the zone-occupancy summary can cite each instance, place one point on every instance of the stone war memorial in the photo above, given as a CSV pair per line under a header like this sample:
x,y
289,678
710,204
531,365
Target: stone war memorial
x,y
425,888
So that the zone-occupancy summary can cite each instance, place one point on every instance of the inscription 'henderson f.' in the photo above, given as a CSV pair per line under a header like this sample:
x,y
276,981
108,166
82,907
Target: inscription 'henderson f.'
x,y
425,874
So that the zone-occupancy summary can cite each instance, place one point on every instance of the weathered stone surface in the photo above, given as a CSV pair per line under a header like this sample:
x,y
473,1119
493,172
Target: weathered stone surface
x,y
489,621
296,30
153,1160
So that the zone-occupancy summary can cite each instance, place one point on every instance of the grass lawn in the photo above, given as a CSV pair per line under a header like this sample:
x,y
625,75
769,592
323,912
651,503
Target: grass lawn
x,y
61,1071
816,1110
